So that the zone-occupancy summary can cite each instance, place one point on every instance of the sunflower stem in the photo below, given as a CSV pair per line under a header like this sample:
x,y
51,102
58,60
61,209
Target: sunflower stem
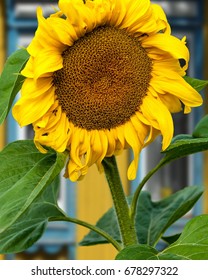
x,y
126,225
140,187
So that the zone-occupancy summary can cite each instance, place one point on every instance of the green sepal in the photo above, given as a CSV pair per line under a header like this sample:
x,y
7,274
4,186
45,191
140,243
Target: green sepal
x,y
197,84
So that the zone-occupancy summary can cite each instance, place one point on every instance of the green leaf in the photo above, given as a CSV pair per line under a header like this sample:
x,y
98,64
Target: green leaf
x,y
183,145
137,252
197,84
144,252
193,242
152,218
11,81
201,129
26,203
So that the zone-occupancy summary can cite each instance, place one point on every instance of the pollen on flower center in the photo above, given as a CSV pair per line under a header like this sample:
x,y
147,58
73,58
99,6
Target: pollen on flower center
x,y
104,78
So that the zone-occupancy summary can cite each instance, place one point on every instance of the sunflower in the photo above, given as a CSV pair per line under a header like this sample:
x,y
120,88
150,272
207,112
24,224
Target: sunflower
x,y
103,76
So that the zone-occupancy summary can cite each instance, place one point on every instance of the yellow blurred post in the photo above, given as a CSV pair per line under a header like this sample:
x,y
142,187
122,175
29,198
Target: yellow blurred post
x,y
2,59
2,137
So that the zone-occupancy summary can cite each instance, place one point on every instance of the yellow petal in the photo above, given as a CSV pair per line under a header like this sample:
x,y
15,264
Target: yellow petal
x,y
80,154
80,150
187,110
118,12
139,17
27,110
179,88
140,128
77,140
63,31
35,46
74,11
95,147
171,102
167,67
45,32
50,119
111,142
62,132
120,143
36,88
162,23
56,138
74,172
40,147
45,37
47,62
133,141
104,143
152,136
101,10
159,117
28,70
85,150
169,44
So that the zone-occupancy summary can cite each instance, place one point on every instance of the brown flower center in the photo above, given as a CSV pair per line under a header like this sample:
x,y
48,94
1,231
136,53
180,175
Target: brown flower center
x,y
104,78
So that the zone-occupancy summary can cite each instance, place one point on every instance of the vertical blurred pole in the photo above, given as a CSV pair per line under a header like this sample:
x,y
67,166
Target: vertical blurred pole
x,y
205,103
2,58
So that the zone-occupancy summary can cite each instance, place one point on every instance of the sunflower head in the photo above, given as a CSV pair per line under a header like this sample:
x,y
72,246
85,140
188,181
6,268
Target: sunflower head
x,y
103,76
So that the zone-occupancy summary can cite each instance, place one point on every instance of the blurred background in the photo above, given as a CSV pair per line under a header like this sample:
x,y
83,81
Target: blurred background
x,y
89,199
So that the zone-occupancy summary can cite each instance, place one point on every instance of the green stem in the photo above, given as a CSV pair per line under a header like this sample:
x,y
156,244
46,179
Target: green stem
x,y
89,226
140,187
126,225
